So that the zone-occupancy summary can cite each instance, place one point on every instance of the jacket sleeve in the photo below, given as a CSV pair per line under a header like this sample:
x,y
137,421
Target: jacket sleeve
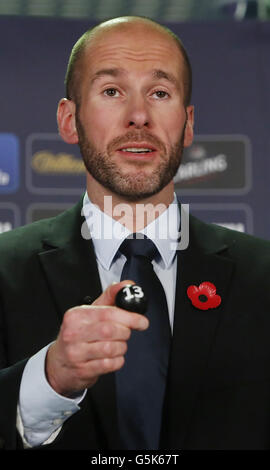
x,y
10,379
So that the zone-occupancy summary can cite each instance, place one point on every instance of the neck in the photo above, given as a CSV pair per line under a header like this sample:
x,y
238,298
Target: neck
x,y
133,215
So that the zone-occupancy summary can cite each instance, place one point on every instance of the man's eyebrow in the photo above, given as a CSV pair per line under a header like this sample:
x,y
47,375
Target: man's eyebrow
x,y
113,72
161,74
157,74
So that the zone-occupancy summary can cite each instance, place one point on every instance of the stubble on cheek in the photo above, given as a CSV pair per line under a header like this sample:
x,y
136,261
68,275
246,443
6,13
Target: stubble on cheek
x,y
135,180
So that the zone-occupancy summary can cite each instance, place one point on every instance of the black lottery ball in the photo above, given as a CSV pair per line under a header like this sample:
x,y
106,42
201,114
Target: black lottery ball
x,y
132,298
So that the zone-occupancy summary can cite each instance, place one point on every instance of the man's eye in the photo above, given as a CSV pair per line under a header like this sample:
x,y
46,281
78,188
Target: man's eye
x,y
111,92
161,94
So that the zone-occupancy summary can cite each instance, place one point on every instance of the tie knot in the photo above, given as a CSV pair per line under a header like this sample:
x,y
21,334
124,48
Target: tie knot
x,y
141,246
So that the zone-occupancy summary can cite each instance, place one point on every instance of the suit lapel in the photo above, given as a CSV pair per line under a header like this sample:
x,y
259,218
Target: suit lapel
x,y
70,267
69,264
194,329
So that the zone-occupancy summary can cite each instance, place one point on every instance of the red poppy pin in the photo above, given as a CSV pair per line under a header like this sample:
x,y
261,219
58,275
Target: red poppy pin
x,y
204,296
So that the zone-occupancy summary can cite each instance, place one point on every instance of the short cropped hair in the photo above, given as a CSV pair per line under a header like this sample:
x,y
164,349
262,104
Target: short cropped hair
x,y
72,77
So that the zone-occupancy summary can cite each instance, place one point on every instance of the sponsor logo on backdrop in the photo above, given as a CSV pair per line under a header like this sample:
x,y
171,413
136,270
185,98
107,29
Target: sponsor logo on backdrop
x,y
233,216
38,211
62,163
9,163
52,166
218,164
9,217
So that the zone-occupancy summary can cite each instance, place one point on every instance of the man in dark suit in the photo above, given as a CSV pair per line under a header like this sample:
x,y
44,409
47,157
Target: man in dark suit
x,y
128,107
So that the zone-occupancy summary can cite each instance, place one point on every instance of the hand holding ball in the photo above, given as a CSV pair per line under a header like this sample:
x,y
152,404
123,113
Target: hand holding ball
x,y
132,298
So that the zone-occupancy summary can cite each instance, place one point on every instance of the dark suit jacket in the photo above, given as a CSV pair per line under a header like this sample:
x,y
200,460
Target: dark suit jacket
x,y
218,391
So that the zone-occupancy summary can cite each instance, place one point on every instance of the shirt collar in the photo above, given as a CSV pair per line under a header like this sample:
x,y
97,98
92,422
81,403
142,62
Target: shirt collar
x,y
107,233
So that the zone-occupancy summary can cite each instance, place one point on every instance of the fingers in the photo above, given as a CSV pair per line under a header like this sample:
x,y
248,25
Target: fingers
x,y
88,373
92,341
81,318
108,296
103,310
68,373
97,350
93,330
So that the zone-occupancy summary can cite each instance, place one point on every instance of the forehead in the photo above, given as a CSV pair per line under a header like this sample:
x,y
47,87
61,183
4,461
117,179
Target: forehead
x,y
137,47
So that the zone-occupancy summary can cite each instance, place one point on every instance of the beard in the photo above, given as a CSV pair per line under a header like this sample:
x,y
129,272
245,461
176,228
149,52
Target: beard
x,y
132,187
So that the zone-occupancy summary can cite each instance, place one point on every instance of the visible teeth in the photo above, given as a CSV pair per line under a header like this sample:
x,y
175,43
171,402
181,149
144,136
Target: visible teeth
x,y
136,150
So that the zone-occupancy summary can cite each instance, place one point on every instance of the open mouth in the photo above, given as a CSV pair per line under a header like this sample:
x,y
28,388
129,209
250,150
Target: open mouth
x,y
136,150
139,149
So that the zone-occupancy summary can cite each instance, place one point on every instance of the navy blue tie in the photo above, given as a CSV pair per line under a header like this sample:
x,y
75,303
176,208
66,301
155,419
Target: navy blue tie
x,y
142,380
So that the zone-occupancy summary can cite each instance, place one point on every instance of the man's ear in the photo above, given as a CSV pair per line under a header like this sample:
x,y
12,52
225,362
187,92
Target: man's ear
x,y
188,139
66,121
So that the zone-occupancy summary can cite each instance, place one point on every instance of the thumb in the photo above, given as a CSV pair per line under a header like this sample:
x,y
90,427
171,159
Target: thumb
x,y
108,296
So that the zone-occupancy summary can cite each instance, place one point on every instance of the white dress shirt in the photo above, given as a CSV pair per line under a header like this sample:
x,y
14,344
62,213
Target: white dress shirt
x,y
42,411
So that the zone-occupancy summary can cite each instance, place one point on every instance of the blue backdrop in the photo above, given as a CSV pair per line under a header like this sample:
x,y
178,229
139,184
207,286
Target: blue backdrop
x,y
225,175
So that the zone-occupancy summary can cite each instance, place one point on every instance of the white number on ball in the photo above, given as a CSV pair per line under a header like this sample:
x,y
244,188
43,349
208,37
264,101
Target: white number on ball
x,y
137,292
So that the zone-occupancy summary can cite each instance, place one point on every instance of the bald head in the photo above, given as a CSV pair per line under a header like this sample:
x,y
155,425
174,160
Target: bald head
x,y
124,24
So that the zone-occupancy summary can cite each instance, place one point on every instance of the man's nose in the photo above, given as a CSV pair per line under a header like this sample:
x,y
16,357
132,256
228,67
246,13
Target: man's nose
x,y
137,113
